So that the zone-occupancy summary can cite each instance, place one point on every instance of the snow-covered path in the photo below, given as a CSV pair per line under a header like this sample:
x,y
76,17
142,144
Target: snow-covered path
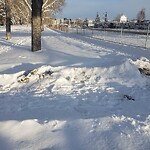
x,y
76,93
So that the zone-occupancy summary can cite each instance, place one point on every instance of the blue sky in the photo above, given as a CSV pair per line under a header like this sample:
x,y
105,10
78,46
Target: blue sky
x,y
88,8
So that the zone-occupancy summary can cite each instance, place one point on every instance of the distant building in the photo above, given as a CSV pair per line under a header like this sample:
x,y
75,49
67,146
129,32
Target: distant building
x,y
123,19
91,23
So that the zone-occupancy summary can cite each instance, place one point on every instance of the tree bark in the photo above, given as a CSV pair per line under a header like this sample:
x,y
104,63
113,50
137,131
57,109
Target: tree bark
x,y
42,21
8,19
36,24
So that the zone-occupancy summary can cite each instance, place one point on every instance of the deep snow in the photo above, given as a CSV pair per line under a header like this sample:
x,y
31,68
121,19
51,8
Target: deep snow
x,y
77,93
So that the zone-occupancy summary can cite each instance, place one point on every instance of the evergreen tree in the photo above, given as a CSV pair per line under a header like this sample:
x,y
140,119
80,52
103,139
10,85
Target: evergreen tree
x,y
97,21
106,19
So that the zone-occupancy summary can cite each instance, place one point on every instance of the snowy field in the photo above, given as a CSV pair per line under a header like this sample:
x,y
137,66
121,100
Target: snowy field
x,y
77,93
117,37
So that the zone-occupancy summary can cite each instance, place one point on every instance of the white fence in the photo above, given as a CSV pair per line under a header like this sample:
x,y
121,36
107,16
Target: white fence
x,y
123,36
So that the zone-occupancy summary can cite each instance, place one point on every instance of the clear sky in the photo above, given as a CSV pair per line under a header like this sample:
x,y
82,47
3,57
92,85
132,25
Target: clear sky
x,y
89,8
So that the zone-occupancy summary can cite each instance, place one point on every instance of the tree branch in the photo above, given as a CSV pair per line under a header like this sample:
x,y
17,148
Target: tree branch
x,y
49,4
29,6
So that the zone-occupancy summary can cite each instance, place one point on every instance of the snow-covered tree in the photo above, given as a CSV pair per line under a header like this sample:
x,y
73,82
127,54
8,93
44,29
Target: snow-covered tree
x,y
97,21
85,22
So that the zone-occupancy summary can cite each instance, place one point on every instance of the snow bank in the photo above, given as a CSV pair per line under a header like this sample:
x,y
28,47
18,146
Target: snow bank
x,y
67,79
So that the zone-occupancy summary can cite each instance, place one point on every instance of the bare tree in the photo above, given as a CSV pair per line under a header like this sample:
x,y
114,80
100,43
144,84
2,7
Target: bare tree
x,y
21,10
38,7
141,15
2,12
49,8
8,19
36,24
79,22
21,13
118,17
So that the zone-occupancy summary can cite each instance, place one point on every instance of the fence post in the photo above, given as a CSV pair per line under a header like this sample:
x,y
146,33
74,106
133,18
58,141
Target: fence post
x,y
121,31
77,30
147,36
84,31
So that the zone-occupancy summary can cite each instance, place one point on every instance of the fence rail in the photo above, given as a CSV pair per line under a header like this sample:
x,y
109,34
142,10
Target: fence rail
x,y
139,38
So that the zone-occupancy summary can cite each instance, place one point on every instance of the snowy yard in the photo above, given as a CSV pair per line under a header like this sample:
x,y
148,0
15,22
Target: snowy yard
x,y
77,93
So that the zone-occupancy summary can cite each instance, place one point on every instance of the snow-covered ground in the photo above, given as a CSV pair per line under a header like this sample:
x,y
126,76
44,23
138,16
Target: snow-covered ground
x,y
77,93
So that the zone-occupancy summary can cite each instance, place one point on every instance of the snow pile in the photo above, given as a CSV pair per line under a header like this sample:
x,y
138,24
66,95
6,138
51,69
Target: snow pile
x,y
35,74
143,65
76,80
10,81
141,126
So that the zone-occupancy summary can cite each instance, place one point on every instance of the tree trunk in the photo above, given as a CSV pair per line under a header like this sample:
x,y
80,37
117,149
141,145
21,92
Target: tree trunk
x,y
8,19
36,24
42,22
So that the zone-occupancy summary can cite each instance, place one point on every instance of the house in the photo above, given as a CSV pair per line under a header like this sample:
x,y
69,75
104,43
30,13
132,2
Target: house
x,y
90,23
123,19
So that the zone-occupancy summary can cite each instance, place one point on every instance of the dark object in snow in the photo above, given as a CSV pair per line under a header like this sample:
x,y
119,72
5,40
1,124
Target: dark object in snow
x,y
145,71
128,97
28,74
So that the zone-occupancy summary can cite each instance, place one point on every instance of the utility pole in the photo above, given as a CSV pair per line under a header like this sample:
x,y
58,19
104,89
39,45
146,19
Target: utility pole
x,y
36,24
